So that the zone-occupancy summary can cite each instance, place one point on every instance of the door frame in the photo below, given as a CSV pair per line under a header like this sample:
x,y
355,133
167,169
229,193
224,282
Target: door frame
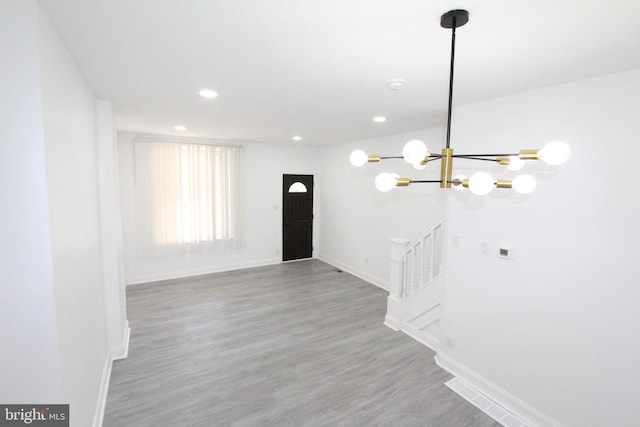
x,y
287,180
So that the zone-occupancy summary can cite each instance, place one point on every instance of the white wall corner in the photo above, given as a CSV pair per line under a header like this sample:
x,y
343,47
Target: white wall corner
x,y
382,284
110,230
496,394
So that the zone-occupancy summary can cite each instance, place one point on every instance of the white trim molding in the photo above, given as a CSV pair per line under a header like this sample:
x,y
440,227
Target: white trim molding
x,y
117,353
392,322
155,277
419,336
496,394
103,392
122,351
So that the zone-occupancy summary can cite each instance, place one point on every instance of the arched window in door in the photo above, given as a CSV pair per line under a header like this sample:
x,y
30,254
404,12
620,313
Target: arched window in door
x,y
297,187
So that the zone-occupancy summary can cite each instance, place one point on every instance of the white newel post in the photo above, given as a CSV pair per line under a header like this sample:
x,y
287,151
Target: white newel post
x,y
394,300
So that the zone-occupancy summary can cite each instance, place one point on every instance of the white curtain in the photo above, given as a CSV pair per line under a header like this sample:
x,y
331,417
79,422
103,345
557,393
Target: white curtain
x,y
187,197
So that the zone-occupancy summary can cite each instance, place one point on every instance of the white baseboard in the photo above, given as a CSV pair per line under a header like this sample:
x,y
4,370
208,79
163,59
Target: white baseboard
x,y
103,392
489,407
392,322
117,353
122,351
419,336
383,284
146,278
491,391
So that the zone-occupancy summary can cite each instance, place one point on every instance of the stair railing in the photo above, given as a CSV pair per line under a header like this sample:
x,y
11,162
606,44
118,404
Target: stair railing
x,y
423,260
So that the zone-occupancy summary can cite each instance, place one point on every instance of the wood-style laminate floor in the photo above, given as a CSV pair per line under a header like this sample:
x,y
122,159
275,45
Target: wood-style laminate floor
x,y
296,344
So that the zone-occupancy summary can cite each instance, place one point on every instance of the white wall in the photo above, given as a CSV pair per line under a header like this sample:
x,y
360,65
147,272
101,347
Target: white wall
x,y
263,166
29,357
357,220
117,324
553,333
69,112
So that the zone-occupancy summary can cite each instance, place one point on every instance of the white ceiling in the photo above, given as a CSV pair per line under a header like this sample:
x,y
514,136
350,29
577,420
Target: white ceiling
x,y
318,68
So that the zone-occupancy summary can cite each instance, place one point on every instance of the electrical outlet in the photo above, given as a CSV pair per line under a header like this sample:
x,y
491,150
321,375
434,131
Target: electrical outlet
x,y
366,260
484,248
449,341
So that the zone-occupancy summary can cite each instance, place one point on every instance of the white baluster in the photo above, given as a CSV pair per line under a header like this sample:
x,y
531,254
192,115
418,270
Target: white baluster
x,y
394,316
398,268
413,270
420,267
442,235
433,254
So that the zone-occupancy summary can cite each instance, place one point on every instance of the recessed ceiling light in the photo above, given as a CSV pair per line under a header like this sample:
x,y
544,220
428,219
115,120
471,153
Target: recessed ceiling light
x,y
396,84
180,127
206,93
297,138
379,119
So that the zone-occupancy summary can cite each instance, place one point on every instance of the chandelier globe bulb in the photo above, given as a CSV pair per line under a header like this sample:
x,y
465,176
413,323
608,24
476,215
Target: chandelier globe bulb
x,y
358,158
386,181
515,163
524,184
414,151
555,153
481,183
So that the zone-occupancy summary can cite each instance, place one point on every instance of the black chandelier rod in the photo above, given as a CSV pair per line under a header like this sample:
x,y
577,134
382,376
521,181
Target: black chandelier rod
x,y
476,158
486,155
461,156
453,53
431,156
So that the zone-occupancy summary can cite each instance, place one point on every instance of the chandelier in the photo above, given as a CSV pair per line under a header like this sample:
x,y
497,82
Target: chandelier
x,y
417,154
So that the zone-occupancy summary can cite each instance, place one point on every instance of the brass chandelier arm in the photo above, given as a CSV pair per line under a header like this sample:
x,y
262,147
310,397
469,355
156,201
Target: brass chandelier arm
x,y
529,154
504,183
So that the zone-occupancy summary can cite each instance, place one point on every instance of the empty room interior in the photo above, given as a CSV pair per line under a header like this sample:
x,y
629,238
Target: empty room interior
x,y
320,213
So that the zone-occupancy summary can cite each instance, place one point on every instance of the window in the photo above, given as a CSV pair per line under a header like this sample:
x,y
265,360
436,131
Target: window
x,y
297,187
186,197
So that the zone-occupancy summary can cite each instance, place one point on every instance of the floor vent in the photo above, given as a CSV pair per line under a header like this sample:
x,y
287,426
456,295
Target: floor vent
x,y
485,404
